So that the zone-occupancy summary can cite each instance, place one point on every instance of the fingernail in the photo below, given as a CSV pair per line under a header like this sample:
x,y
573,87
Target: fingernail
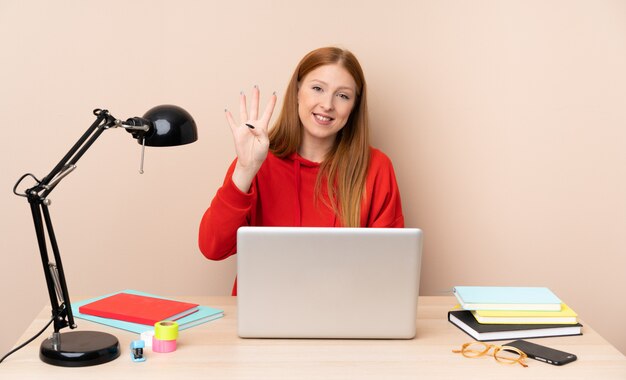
x,y
250,126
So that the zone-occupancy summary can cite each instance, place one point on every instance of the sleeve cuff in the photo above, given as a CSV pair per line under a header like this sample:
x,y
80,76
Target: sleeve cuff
x,y
233,196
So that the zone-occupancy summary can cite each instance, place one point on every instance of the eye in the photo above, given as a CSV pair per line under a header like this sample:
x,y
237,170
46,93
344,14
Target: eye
x,y
344,96
316,88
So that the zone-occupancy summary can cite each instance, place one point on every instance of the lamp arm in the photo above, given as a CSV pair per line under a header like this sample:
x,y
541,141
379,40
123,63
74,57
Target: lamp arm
x,y
55,277
37,197
102,115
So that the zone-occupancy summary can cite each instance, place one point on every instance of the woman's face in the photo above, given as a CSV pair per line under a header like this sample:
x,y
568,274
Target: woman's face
x,y
326,97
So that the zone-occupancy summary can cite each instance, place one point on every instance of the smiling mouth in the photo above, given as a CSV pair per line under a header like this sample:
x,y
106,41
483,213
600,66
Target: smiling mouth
x,y
322,118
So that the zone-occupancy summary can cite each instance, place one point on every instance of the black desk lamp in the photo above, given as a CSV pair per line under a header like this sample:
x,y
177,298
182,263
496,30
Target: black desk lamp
x,y
164,125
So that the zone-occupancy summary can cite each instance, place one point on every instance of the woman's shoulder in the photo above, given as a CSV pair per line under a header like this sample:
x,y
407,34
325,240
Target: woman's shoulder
x,y
378,159
381,177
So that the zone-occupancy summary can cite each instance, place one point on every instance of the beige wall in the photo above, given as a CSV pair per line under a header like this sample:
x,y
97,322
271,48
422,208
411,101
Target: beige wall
x,y
505,121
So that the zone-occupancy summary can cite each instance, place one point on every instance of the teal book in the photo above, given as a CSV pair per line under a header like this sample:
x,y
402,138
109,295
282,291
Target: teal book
x,y
203,315
507,298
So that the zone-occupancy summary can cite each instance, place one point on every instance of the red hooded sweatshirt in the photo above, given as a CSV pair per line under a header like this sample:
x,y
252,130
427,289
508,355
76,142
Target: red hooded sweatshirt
x,y
282,194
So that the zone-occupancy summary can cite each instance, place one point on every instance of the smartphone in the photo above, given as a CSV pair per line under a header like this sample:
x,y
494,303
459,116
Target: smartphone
x,y
543,353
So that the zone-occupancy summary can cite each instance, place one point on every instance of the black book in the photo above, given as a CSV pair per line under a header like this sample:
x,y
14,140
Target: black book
x,y
464,320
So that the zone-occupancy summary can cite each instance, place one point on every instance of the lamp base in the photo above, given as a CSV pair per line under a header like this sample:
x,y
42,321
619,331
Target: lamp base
x,y
80,349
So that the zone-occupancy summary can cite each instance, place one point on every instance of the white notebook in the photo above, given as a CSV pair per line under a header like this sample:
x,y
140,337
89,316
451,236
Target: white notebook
x,y
306,282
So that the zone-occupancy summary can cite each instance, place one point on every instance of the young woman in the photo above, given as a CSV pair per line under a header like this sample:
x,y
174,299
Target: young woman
x,y
315,167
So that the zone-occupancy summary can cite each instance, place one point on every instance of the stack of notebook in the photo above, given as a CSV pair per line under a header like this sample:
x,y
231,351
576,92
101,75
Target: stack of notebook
x,y
498,313
136,311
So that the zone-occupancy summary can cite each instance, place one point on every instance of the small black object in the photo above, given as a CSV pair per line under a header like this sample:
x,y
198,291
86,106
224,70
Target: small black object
x,y
543,353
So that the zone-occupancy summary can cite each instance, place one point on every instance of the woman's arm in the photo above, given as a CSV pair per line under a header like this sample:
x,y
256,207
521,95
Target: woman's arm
x,y
230,209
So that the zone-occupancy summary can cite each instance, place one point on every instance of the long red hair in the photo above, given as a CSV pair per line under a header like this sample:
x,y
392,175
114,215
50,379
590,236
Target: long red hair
x,y
344,168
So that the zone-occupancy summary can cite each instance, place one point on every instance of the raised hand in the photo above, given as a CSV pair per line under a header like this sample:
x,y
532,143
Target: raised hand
x,y
251,138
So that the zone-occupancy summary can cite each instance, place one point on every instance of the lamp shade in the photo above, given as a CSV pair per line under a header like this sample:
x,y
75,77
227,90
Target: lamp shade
x,y
169,126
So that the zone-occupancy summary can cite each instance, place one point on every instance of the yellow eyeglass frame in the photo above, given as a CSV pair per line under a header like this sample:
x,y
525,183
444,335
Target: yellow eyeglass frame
x,y
474,350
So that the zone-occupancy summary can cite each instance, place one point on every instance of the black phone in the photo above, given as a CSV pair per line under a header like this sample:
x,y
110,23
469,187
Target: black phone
x,y
543,353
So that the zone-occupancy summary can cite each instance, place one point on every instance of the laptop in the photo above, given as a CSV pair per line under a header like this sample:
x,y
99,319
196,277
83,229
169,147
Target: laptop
x,y
324,282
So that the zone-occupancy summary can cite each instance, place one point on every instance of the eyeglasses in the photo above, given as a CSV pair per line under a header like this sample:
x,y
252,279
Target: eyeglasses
x,y
502,354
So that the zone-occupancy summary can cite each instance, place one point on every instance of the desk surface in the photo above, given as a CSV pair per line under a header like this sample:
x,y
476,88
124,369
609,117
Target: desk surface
x,y
213,350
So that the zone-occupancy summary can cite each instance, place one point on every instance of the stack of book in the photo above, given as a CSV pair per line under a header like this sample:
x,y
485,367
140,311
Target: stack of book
x,y
136,311
498,313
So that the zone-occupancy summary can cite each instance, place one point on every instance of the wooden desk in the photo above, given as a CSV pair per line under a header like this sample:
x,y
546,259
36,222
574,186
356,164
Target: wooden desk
x,y
213,351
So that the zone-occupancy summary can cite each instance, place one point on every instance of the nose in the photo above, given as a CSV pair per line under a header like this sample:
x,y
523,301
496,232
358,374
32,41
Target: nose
x,y
327,102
